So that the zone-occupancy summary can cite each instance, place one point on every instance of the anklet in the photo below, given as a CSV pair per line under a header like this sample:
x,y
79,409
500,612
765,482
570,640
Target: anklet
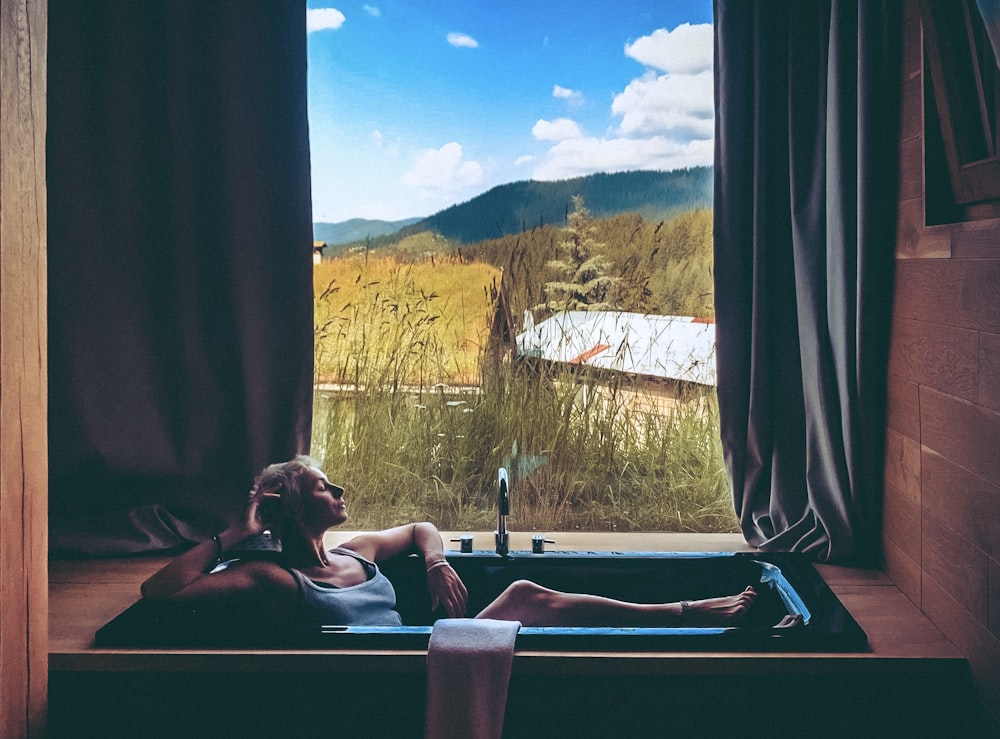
x,y
685,608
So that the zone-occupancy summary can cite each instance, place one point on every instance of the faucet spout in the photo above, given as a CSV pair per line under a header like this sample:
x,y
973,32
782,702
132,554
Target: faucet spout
x,y
503,510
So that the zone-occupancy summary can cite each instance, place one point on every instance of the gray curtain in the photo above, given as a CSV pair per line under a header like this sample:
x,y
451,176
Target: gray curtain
x,y
807,108
180,264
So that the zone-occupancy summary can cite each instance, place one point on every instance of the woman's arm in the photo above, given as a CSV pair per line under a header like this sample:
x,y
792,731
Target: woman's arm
x,y
195,564
412,538
185,571
444,584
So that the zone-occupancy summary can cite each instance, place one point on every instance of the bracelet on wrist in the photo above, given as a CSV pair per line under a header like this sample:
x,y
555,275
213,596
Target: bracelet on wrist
x,y
435,565
218,549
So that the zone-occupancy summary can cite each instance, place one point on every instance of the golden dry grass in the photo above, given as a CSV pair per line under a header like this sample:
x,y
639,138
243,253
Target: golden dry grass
x,y
392,319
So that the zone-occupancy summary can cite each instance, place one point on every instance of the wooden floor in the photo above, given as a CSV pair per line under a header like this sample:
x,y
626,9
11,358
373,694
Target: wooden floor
x,y
906,648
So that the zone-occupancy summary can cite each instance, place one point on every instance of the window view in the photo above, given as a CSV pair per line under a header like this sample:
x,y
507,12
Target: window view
x,y
513,263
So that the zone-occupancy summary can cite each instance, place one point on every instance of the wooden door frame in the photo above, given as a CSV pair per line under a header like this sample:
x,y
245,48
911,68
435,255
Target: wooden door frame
x,y
23,370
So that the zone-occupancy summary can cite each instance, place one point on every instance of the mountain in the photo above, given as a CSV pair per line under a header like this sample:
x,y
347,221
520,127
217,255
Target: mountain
x,y
356,229
519,206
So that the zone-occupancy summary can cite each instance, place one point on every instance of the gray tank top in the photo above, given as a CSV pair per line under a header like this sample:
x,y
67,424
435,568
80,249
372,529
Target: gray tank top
x,y
371,603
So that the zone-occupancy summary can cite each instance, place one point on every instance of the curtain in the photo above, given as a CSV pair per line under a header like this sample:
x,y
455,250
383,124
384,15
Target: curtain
x,y
807,108
180,264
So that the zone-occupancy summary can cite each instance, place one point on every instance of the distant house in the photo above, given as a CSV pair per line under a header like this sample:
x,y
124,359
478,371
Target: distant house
x,y
318,247
669,354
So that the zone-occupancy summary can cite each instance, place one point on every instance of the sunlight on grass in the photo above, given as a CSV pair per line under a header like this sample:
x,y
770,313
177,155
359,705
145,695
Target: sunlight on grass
x,y
382,321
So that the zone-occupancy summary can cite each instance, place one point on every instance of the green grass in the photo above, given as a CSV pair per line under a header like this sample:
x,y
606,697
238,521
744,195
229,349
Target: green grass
x,y
580,457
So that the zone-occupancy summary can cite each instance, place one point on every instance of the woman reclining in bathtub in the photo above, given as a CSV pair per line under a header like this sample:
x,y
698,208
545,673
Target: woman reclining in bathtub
x,y
310,585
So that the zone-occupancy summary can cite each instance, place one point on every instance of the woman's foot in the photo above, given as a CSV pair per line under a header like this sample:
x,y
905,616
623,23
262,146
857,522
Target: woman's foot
x,y
790,621
725,611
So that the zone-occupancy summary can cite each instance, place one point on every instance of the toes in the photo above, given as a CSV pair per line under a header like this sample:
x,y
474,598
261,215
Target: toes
x,y
789,621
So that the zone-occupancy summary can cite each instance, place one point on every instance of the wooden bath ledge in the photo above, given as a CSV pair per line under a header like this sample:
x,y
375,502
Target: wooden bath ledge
x,y
85,594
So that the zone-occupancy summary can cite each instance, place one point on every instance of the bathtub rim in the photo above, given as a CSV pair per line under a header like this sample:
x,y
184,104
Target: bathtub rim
x,y
840,632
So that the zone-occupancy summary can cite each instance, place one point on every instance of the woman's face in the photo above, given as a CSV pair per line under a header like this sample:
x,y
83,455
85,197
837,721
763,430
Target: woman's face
x,y
322,501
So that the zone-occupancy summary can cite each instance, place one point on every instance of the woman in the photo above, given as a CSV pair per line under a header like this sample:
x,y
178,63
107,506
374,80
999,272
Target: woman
x,y
310,585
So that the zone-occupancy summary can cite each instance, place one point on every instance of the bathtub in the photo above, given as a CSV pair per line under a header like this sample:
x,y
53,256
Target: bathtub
x,y
785,583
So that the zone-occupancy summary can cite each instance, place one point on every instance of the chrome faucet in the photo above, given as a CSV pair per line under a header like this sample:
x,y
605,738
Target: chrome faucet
x,y
503,510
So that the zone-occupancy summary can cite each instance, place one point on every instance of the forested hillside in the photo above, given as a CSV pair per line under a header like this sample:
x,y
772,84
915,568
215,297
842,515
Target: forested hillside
x,y
521,206
357,229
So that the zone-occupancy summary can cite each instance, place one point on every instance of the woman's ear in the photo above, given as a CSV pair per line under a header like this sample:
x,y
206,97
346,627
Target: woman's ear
x,y
291,499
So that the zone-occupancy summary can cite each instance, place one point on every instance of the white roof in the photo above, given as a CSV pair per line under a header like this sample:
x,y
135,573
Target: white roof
x,y
674,347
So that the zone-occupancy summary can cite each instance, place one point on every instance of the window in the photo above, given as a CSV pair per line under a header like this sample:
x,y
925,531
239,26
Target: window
x,y
513,227
963,101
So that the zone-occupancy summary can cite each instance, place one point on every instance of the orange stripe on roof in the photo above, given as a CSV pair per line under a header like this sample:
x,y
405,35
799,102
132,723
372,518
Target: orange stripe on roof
x,y
590,354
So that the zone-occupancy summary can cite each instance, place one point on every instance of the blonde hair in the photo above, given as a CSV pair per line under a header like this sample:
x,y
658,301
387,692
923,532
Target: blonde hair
x,y
285,479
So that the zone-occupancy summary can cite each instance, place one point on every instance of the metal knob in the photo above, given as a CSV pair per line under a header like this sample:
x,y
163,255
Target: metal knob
x,y
538,542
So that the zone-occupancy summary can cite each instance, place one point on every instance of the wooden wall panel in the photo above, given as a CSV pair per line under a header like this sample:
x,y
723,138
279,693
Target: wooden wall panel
x,y
994,599
901,522
951,292
969,503
902,465
989,371
904,572
961,431
959,568
975,240
944,396
23,439
941,357
904,407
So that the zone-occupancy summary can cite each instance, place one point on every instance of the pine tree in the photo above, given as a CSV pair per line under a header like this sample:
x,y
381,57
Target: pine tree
x,y
582,268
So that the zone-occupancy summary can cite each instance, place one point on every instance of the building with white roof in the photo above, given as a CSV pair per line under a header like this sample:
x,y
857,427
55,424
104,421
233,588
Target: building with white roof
x,y
677,348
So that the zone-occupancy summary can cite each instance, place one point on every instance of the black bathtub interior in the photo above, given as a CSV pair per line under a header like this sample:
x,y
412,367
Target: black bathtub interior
x,y
786,584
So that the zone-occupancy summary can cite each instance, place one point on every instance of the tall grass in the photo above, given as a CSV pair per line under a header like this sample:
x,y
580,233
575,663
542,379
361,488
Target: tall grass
x,y
382,321
584,451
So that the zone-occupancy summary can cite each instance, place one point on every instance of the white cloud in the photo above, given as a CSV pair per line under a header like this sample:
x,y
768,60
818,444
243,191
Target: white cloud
x,y
372,11
462,40
558,130
322,19
665,117
444,170
573,97
678,106
685,50
574,157
389,148
526,159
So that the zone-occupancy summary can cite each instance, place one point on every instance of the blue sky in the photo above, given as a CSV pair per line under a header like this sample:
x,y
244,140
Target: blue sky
x,y
415,105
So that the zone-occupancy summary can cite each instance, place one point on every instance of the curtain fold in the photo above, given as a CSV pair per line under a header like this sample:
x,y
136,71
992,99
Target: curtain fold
x,y
807,113
180,264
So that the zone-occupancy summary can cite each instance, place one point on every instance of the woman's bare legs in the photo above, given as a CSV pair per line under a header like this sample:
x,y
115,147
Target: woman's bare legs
x,y
534,605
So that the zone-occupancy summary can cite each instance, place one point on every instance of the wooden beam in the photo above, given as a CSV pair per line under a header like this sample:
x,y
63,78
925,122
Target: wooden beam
x,y
23,375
